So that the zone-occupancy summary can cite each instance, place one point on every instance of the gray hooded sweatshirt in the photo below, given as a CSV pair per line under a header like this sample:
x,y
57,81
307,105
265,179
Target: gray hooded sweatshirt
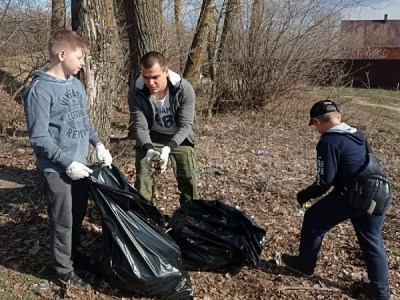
x,y
182,100
58,122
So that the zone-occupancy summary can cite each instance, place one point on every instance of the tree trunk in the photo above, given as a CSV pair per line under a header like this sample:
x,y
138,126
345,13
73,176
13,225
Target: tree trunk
x,y
211,51
144,21
75,7
222,79
97,26
194,60
179,32
57,15
119,13
231,13
254,29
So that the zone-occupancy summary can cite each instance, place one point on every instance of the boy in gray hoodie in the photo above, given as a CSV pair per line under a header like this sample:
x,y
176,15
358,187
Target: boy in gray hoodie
x,y
60,131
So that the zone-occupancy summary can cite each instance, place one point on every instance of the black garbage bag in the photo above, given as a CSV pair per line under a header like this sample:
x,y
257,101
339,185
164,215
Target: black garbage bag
x,y
138,255
113,184
214,236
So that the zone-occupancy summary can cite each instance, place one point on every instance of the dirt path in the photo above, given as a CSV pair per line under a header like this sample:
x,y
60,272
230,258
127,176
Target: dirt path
x,y
365,103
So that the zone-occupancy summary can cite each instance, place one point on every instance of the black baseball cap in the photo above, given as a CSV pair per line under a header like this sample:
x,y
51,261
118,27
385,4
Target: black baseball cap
x,y
322,107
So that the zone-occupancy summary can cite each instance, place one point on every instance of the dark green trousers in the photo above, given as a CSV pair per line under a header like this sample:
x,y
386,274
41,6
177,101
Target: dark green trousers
x,y
184,163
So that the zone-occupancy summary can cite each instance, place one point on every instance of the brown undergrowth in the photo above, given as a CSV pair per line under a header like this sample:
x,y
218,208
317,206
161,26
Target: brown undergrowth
x,y
251,160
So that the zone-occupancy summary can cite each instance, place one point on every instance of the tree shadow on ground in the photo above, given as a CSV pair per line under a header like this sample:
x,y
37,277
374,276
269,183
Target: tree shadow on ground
x,y
23,230
18,175
24,243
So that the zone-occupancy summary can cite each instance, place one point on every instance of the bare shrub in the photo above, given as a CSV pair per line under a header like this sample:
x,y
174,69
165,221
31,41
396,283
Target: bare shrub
x,y
279,48
24,31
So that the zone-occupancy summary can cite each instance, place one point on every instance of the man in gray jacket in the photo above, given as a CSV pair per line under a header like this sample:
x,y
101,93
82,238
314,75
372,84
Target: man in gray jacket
x,y
162,108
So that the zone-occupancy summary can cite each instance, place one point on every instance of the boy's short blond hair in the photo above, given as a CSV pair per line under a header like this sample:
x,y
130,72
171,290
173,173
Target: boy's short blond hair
x,y
330,116
65,39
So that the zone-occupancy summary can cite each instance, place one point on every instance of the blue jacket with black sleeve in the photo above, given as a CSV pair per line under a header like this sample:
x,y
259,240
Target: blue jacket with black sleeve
x,y
341,153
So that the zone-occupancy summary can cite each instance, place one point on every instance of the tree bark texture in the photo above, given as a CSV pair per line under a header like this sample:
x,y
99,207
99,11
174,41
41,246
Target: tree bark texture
x,y
145,25
255,23
230,21
97,27
211,49
57,15
194,60
223,79
179,31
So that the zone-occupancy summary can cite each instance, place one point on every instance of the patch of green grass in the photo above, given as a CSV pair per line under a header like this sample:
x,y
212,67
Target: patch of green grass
x,y
372,96
380,103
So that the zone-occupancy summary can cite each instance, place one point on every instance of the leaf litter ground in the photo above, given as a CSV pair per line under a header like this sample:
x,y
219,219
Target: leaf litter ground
x,y
253,161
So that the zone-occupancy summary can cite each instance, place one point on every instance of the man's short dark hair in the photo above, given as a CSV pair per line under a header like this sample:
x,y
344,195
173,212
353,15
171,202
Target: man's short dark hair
x,y
151,58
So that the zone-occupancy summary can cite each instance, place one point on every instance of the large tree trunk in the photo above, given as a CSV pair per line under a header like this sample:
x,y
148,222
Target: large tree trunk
x,y
144,21
255,23
96,24
230,21
223,81
119,12
194,60
179,31
57,15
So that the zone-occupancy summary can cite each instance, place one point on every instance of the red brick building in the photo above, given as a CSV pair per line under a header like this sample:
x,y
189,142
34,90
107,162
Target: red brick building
x,y
372,52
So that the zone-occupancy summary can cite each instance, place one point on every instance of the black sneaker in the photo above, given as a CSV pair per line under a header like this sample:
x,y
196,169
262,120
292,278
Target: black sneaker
x,y
370,289
295,264
72,279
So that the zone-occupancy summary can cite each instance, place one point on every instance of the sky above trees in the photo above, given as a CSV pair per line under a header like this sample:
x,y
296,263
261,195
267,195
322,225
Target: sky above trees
x,y
375,10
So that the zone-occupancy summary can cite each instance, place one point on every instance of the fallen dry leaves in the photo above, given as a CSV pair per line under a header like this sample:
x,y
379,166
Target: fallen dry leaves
x,y
253,161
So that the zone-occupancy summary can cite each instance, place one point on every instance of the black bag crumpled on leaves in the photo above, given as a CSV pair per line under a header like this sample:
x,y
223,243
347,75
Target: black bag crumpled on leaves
x,y
214,236
138,255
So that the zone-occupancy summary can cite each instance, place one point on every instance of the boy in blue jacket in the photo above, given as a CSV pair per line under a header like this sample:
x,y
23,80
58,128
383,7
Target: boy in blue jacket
x,y
60,131
341,152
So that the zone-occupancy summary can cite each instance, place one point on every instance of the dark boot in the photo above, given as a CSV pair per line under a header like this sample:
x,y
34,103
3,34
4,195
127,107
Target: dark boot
x,y
72,279
297,265
371,290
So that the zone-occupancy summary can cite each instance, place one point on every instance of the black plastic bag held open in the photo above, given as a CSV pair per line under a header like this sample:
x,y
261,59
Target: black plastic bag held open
x,y
138,255
215,236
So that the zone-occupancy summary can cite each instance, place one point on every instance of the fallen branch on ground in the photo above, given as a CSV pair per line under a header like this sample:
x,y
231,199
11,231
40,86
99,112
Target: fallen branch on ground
x,y
286,288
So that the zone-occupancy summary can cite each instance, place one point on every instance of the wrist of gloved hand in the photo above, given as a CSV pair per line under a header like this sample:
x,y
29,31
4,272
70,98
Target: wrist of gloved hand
x,y
76,171
303,197
164,155
103,155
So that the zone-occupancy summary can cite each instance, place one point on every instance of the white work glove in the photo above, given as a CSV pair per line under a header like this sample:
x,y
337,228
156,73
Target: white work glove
x,y
164,154
149,156
103,155
76,171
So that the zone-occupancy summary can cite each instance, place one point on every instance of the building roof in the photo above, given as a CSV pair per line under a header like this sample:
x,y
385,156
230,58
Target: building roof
x,y
377,39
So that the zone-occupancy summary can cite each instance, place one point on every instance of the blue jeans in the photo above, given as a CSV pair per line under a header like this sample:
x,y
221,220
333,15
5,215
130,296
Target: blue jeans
x,y
334,209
